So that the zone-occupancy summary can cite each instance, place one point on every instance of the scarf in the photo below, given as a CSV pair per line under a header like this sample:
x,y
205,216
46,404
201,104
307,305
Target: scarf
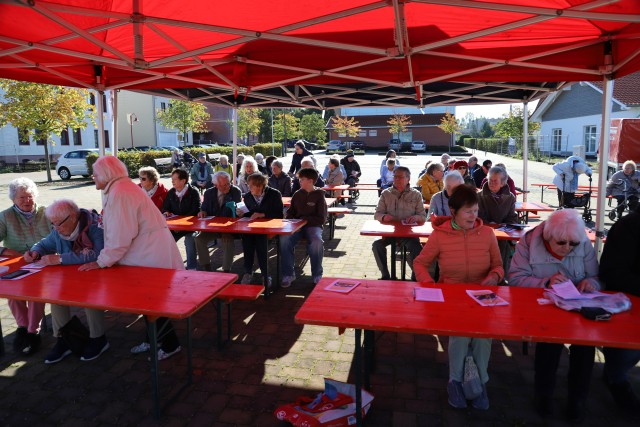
x,y
180,194
27,215
151,192
553,254
202,173
80,235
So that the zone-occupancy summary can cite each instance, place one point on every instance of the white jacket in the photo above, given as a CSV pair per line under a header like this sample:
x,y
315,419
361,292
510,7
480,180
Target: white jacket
x,y
135,232
567,177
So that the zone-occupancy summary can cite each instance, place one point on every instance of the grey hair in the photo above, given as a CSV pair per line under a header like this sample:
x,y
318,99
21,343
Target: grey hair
x,y
225,157
629,163
248,159
111,167
220,174
565,224
452,177
150,172
444,158
404,169
501,171
61,208
22,183
277,163
309,159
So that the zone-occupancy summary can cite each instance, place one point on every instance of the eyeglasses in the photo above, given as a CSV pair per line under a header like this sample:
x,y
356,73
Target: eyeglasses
x,y
564,242
60,223
400,176
142,178
462,168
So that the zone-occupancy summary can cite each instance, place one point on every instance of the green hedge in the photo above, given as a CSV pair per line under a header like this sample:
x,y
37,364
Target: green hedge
x,y
485,144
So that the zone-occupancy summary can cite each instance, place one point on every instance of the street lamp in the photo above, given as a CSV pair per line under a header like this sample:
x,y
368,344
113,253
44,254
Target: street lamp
x,y
131,119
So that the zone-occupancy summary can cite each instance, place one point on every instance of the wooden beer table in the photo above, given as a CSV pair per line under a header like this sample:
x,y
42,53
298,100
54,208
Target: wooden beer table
x,y
152,292
525,208
377,305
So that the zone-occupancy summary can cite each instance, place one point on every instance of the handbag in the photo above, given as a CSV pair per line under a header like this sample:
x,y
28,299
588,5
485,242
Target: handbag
x,y
75,335
471,384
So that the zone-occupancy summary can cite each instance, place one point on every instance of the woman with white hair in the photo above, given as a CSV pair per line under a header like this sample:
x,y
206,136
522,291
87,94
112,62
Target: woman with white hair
x,y
262,167
135,233
249,166
21,226
77,238
625,185
557,251
566,179
439,205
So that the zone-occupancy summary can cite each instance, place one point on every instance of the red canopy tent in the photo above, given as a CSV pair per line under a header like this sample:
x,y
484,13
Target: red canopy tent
x,y
320,54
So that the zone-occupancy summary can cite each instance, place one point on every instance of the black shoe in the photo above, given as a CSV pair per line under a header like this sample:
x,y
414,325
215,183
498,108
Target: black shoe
x,y
624,396
58,352
385,277
95,348
20,340
543,406
32,345
576,411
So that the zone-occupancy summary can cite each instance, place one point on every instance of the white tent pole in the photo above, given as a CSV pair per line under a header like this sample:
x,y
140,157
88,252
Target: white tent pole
x,y
235,144
114,97
100,122
607,85
525,148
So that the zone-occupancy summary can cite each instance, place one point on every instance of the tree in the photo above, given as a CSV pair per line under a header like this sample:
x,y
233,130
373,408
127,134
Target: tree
x,y
486,131
312,127
398,123
513,124
345,126
449,125
185,116
249,122
291,127
44,110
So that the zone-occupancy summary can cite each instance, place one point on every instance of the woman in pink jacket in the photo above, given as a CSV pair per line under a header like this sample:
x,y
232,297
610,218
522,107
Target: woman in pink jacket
x,y
466,252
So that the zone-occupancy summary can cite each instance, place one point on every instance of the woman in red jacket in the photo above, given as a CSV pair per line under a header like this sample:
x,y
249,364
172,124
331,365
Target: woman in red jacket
x,y
150,183
466,252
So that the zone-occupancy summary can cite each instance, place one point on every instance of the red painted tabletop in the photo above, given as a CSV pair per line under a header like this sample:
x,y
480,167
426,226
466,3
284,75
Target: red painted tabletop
x,y
141,290
287,201
336,187
220,224
533,207
397,230
390,306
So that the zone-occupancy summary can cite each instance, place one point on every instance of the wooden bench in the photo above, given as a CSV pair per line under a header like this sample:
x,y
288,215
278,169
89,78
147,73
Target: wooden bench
x,y
164,164
235,291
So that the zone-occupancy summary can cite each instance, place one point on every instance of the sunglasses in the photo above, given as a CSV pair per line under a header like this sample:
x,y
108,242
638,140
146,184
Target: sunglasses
x,y
462,168
142,178
564,242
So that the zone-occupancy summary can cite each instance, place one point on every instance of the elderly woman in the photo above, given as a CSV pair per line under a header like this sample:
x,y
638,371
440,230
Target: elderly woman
x,y
76,238
325,173
625,184
260,162
183,199
224,165
391,154
510,183
444,159
262,202
175,158
334,176
439,205
462,167
463,231
132,226
150,183
307,163
22,225
280,180
248,167
239,160
473,164
566,179
386,178
557,251
431,181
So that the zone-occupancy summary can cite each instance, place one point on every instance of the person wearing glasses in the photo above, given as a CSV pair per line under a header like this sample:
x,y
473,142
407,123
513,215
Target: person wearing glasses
x,y
77,238
21,226
556,251
398,203
463,167
150,183
430,182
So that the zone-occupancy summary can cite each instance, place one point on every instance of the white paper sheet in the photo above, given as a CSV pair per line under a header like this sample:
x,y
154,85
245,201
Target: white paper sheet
x,y
36,265
428,294
568,290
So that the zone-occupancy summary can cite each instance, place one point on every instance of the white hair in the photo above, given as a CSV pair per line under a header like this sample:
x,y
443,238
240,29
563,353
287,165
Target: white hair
x,y
277,163
61,208
565,224
451,178
110,167
224,157
247,160
499,170
27,185
309,160
220,174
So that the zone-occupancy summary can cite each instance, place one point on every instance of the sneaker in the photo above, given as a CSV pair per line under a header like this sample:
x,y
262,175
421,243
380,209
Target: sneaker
x,y
246,278
316,279
162,355
624,396
456,394
481,402
141,348
32,345
95,348
286,281
58,352
20,339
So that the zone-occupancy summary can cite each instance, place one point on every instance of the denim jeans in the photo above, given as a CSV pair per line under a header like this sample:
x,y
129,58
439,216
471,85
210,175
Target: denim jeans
x,y
190,247
458,350
314,247
618,362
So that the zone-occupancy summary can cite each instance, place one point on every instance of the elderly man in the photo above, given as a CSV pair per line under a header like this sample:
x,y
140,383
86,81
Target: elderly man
x,y
214,203
77,238
498,205
481,173
202,173
307,162
399,203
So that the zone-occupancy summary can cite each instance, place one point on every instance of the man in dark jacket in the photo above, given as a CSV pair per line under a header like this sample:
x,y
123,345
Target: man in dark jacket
x,y
309,204
481,173
352,169
280,180
301,153
619,271
215,204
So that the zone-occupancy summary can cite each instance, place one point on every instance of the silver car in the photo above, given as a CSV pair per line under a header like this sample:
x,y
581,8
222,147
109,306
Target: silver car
x,y
74,163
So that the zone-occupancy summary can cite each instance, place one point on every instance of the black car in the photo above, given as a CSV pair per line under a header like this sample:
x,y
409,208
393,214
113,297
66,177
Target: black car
x,y
357,145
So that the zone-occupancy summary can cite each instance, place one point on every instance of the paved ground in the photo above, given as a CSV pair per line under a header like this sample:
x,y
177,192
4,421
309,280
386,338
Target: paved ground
x,y
272,360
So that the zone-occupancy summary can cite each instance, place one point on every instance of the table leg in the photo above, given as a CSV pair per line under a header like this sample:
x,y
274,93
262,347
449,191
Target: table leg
x,y
219,305
332,226
369,357
393,259
542,193
189,352
358,360
153,342
403,262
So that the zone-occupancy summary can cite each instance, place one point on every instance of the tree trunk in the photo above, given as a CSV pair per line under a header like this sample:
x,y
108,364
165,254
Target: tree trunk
x,y
46,155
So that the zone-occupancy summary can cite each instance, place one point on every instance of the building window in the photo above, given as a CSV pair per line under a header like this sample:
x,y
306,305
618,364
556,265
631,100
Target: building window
x,y
106,138
64,137
373,132
163,106
77,137
556,141
590,139
40,138
92,99
23,138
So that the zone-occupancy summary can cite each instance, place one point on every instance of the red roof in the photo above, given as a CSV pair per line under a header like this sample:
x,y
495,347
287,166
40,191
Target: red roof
x,y
625,89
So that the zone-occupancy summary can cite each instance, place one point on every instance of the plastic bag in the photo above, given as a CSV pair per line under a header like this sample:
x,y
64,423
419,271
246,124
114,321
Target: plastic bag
x,y
613,303
471,384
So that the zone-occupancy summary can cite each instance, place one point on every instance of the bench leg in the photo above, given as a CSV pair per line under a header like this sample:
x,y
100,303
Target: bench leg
x,y
153,342
189,352
229,321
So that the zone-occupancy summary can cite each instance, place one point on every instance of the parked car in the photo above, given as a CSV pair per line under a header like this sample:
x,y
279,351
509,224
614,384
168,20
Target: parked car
x,y
335,145
74,163
418,146
357,145
394,144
